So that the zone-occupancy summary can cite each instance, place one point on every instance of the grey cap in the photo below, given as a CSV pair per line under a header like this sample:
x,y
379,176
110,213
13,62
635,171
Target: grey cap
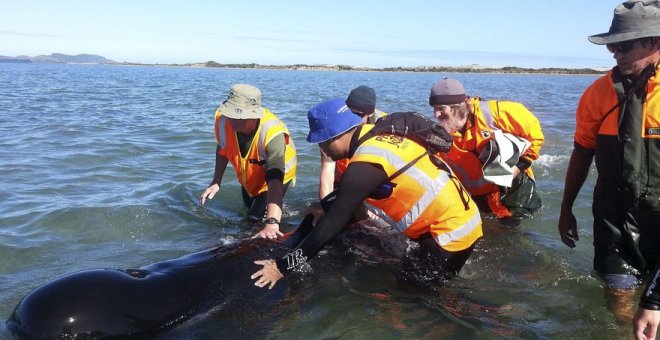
x,y
447,92
633,19
243,102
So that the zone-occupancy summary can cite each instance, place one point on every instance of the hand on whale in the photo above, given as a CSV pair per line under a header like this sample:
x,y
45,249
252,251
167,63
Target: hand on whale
x,y
269,274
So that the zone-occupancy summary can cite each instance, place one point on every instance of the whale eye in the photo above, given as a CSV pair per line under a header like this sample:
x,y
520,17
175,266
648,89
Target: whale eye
x,y
137,273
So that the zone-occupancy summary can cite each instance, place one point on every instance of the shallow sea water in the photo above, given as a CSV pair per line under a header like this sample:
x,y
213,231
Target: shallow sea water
x,y
101,166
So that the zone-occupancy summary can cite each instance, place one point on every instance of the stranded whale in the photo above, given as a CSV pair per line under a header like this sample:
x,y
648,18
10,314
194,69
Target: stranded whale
x,y
100,303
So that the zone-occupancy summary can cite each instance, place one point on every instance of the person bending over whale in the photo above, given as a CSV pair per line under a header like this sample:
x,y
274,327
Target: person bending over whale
x,y
361,101
495,144
401,182
260,148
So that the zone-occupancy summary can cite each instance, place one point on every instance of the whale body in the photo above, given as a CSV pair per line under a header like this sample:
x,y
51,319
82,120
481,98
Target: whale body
x,y
103,303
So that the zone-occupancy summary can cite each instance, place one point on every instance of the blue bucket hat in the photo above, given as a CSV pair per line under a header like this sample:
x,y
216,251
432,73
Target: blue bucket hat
x,y
330,119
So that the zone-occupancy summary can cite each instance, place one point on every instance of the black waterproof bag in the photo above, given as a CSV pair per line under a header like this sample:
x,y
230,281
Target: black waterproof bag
x,y
415,126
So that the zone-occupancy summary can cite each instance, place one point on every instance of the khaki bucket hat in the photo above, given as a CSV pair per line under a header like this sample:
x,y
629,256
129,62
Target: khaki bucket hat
x,y
243,102
633,19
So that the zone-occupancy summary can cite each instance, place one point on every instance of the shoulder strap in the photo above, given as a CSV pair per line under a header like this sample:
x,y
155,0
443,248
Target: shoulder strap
x,y
407,166
644,77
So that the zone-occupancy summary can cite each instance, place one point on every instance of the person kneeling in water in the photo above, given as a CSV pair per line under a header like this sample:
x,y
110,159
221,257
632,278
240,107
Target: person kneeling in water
x,y
395,176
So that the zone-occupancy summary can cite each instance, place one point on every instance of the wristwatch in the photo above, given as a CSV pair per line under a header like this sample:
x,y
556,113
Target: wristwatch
x,y
272,220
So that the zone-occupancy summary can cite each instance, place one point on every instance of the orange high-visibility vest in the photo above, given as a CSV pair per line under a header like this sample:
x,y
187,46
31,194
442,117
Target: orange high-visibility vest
x,y
251,169
423,198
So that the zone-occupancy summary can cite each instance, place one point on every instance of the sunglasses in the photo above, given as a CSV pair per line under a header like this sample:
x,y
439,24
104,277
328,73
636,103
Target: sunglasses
x,y
622,47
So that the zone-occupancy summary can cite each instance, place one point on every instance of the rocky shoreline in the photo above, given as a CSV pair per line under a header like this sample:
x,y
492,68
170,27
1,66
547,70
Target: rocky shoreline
x,y
94,59
441,69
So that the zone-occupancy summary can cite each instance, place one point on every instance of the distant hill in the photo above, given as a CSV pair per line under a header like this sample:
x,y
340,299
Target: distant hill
x,y
58,58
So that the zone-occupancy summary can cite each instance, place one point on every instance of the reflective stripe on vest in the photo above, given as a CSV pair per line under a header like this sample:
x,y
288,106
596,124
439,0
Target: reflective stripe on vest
x,y
424,198
264,140
476,186
433,187
220,131
460,233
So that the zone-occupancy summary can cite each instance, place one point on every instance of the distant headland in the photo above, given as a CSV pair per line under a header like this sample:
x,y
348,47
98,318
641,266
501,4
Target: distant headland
x,y
60,58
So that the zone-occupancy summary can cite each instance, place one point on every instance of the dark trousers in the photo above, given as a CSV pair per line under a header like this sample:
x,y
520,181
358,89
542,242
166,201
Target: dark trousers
x,y
257,205
626,236
430,265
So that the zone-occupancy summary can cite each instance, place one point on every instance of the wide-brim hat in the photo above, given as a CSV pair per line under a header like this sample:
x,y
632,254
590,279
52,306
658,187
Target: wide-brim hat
x,y
632,20
330,119
243,102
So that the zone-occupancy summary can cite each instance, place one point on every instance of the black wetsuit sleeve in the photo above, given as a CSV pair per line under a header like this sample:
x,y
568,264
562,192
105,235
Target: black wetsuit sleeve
x,y
358,181
650,298
276,150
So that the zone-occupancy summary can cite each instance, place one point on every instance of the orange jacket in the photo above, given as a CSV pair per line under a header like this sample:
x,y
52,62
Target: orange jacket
x,y
340,167
629,164
599,98
424,198
507,116
250,170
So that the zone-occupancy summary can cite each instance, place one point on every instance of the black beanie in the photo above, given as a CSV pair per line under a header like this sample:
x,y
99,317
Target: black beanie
x,y
362,98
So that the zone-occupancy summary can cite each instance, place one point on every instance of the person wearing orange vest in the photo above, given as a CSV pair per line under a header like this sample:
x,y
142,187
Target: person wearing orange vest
x,y
397,178
362,101
618,123
495,143
259,147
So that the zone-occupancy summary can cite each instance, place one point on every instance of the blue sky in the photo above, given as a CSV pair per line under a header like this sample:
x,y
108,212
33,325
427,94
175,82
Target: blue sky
x,y
526,33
